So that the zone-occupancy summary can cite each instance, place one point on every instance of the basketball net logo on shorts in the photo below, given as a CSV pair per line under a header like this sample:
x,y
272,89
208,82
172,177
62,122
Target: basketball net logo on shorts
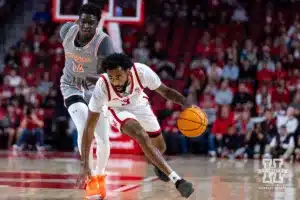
x,y
273,171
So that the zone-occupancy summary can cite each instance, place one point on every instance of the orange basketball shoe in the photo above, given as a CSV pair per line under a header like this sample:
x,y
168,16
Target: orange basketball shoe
x,y
96,188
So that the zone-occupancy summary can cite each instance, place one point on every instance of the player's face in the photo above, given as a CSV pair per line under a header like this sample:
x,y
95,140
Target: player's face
x,y
87,24
119,78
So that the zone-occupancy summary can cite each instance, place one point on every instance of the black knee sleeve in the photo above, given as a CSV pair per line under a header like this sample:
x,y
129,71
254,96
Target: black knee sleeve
x,y
74,99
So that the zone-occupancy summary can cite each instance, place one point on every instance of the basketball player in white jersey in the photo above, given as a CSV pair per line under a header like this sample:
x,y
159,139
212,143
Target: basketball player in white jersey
x,y
121,88
85,47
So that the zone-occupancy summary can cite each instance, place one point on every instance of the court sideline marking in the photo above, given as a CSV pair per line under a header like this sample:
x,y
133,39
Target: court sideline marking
x,y
130,187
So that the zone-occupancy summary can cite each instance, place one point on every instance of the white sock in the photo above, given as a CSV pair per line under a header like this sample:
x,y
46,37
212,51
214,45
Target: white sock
x,y
174,177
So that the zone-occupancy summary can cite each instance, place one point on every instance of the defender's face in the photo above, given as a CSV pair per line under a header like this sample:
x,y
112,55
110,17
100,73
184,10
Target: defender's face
x,y
87,24
119,78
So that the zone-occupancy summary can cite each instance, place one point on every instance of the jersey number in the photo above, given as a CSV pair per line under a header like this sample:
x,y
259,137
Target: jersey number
x,y
77,67
125,102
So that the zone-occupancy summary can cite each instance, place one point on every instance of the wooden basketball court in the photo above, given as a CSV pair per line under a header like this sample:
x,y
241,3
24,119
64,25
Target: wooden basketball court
x,y
31,176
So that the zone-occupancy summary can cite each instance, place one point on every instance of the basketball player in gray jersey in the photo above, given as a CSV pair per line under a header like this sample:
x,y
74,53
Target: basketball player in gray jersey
x,y
85,47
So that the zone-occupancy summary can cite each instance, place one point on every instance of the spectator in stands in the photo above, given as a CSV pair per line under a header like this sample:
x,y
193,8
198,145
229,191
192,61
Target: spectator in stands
x,y
280,72
230,70
280,94
166,111
12,59
166,70
141,53
181,70
288,120
157,53
233,143
244,123
263,97
267,63
224,120
50,100
249,53
242,97
239,14
209,106
247,71
200,61
224,95
172,134
297,132
264,74
45,84
7,123
13,79
282,145
255,137
214,72
31,124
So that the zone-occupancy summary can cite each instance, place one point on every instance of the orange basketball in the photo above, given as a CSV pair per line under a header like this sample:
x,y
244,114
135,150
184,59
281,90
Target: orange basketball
x,y
192,122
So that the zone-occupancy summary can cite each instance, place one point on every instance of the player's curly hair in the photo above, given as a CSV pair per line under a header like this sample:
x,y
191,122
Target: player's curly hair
x,y
91,9
115,60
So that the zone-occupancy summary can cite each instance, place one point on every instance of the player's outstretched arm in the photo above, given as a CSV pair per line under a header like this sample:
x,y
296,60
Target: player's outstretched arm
x,y
172,95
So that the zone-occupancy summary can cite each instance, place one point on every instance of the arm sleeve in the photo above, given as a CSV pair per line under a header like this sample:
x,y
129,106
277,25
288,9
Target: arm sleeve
x,y
99,97
64,29
106,47
148,77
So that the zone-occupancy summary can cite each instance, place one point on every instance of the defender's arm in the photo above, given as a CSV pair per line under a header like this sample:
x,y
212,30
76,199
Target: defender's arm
x,y
64,29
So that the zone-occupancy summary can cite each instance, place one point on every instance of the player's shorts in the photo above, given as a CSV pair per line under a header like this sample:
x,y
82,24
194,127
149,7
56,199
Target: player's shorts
x,y
143,114
70,90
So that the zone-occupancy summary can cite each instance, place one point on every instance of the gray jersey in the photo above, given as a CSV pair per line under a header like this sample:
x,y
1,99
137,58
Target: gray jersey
x,y
81,61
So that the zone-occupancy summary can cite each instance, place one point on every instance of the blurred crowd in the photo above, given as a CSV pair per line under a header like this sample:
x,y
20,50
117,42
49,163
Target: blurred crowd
x,y
237,60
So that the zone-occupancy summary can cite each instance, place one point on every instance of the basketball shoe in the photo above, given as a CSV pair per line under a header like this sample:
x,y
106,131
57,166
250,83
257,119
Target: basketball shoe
x,y
95,188
184,187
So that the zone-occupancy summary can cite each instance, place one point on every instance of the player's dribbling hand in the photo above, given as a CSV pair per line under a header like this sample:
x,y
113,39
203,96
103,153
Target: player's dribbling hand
x,y
84,175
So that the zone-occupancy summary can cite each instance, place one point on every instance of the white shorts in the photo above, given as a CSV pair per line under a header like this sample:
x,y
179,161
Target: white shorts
x,y
143,114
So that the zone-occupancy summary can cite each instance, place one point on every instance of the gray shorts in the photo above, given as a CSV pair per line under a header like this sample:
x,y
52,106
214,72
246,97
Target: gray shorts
x,y
70,90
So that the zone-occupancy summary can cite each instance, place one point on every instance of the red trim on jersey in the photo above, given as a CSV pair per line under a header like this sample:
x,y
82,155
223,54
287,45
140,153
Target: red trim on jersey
x,y
107,86
124,121
146,97
154,133
115,115
137,77
131,88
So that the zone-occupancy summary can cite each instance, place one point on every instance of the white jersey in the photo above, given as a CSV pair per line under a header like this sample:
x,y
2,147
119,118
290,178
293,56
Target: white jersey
x,y
141,77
